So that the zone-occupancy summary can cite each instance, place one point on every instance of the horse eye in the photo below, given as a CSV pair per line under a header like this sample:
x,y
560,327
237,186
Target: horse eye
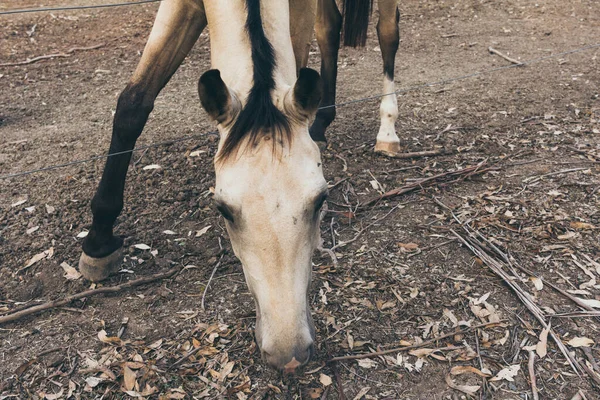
x,y
225,212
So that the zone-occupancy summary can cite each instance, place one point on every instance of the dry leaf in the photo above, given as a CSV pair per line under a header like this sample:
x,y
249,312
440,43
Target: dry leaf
x,y
151,166
423,352
366,363
104,338
169,232
82,234
591,303
40,256
567,236
129,377
408,246
93,381
579,292
196,153
465,369
325,380
580,342
542,346
470,390
537,282
581,225
31,230
18,203
362,392
141,246
55,396
507,373
50,209
226,371
203,231
448,314
70,273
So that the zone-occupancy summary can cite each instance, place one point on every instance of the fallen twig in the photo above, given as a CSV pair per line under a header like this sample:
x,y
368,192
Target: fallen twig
x,y
585,153
536,178
338,382
507,259
426,182
531,366
68,53
416,154
497,267
507,58
413,346
210,279
88,293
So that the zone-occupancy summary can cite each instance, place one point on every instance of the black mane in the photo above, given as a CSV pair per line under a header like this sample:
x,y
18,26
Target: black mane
x,y
259,115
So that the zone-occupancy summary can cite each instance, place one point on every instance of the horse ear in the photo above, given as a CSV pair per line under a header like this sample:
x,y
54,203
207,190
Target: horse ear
x,y
308,91
215,97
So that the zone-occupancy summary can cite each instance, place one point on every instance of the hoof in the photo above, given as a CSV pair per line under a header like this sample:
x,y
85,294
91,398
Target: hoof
x,y
97,269
387,147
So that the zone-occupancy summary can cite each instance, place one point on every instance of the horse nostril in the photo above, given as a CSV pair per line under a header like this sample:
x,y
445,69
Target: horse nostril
x,y
306,354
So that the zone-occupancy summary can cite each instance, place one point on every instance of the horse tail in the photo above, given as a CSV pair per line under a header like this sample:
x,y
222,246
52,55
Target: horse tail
x,y
356,21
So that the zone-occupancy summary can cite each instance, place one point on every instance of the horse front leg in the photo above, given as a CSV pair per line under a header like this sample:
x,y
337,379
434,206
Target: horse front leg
x,y
389,37
328,27
177,26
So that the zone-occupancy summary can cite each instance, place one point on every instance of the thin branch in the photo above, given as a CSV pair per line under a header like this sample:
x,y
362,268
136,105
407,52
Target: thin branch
x,y
413,346
68,53
497,267
430,181
531,366
88,293
210,279
416,154
507,58
536,178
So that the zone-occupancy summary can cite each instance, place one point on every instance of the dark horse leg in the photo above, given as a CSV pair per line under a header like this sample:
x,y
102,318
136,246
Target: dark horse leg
x,y
176,28
389,36
328,27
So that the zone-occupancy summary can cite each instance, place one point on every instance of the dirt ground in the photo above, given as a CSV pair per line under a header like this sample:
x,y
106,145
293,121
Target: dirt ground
x,y
404,279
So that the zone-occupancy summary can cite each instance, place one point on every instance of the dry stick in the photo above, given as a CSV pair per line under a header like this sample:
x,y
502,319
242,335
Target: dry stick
x,y
590,356
530,273
338,382
580,151
507,58
525,297
106,289
39,58
465,172
531,366
210,279
536,178
413,346
416,154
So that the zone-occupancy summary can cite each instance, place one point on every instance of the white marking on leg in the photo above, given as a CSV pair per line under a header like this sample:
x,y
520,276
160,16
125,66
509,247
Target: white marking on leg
x,y
387,140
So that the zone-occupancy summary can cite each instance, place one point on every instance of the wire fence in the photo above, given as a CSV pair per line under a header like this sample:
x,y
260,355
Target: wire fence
x,y
68,8
355,101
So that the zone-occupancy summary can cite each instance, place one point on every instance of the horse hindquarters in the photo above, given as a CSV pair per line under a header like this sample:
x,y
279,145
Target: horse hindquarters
x,y
177,26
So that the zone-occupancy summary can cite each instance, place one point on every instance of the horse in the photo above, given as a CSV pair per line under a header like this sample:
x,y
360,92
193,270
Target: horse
x,y
269,186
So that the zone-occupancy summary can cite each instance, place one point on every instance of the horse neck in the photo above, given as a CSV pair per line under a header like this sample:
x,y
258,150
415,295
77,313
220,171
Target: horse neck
x,y
231,51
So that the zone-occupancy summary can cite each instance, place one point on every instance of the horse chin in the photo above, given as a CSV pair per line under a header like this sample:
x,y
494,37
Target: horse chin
x,y
290,355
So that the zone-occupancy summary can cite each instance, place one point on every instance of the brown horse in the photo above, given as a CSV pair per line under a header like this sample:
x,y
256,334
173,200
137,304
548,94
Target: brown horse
x,y
269,181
